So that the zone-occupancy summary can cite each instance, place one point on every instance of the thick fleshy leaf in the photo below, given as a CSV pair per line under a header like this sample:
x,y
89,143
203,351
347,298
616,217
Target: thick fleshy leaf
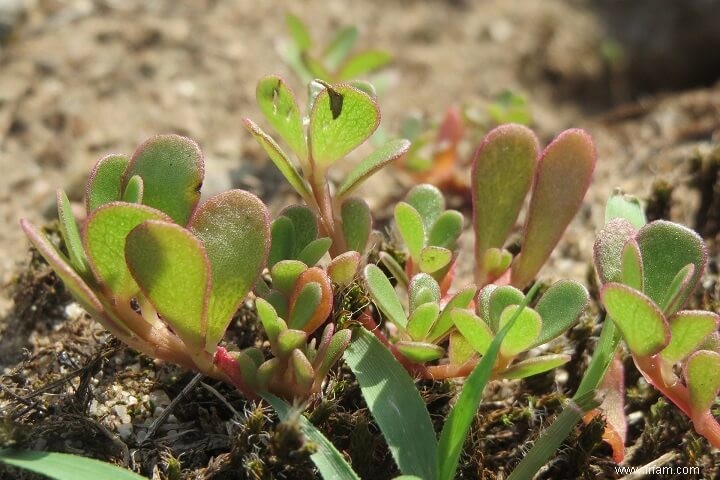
x,y
279,302
702,373
104,184
305,223
104,241
688,330
356,223
446,230
396,271
363,63
314,251
289,340
277,102
620,205
677,290
428,201
632,267
304,372
482,304
422,289
279,158
342,118
134,190
523,333
560,307
282,245
666,248
410,225
381,157
285,274
343,268
324,307
459,349
420,352
475,331
304,306
71,235
340,46
422,319
535,365
434,259
335,349
234,227
272,324
608,249
384,295
173,270
554,200
172,170
298,32
265,372
461,299
501,298
502,173
638,318
496,262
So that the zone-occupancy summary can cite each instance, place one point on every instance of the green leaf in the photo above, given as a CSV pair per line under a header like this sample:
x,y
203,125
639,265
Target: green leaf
x,y
422,319
343,268
667,248
234,227
173,270
446,230
298,32
459,349
676,290
381,157
429,203
71,235
638,318
410,225
502,172
304,372
688,329
134,190
632,267
103,185
282,245
608,249
342,118
523,333
420,352
272,324
496,262
279,302
305,223
422,289
277,102
461,299
320,312
314,251
627,207
279,158
304,308
384,295
340,47
63,466
554,200
535,365
363,63
285,273
500,298
172,170
289,340
560,307
104,241
396,271
475,331
356,223
327,459
456,427
433,259
702,372
396,405
335,349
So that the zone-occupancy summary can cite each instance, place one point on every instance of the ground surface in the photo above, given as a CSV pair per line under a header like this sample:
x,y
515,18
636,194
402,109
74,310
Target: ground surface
x,y
82,79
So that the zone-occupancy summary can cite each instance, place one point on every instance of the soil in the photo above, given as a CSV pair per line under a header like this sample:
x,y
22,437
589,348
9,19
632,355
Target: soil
x,y
80,79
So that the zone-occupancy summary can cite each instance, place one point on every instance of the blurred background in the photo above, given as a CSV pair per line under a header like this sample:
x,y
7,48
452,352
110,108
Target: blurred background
x,y
81,79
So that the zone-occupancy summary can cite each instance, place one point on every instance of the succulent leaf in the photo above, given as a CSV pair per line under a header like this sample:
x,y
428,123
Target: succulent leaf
x,y
314,251
285,274
429,203
304,372
420,352
282,245
103,185
476,332
277,102
272,324
134,190
434,259
410,225
381,157
608,249
535,365
678,290
422,319
627,207
459,349
461,299
501,298
688,330
338,343
343,268
702,372
446,230
423,288
71,235
631,265
356,223
323,309
560,307
523,333
305,223
384,295
289,340
363,63
307,301
396,271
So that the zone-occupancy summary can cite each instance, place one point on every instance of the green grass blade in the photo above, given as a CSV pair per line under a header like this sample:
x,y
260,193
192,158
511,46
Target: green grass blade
x,y
327,459
63,466
458,423
395,404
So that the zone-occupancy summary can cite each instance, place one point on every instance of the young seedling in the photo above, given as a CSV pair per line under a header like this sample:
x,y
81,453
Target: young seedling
x,y
341,118
337,63
648,275
161,273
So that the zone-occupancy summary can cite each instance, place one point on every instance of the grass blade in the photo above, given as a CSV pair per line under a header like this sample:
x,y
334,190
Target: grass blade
x,y
63,466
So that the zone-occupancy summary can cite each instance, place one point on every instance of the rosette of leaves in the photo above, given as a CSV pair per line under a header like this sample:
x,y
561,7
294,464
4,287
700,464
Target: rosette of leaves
x,y
341,117
507,165
648,276
430,234
292,309
161,273
429,322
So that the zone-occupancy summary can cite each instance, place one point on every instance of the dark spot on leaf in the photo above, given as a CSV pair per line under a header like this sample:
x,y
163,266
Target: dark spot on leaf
x,y
336,102
198,187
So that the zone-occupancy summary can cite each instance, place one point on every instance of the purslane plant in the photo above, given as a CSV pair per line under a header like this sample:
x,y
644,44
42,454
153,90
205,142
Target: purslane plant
x,y
648,276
